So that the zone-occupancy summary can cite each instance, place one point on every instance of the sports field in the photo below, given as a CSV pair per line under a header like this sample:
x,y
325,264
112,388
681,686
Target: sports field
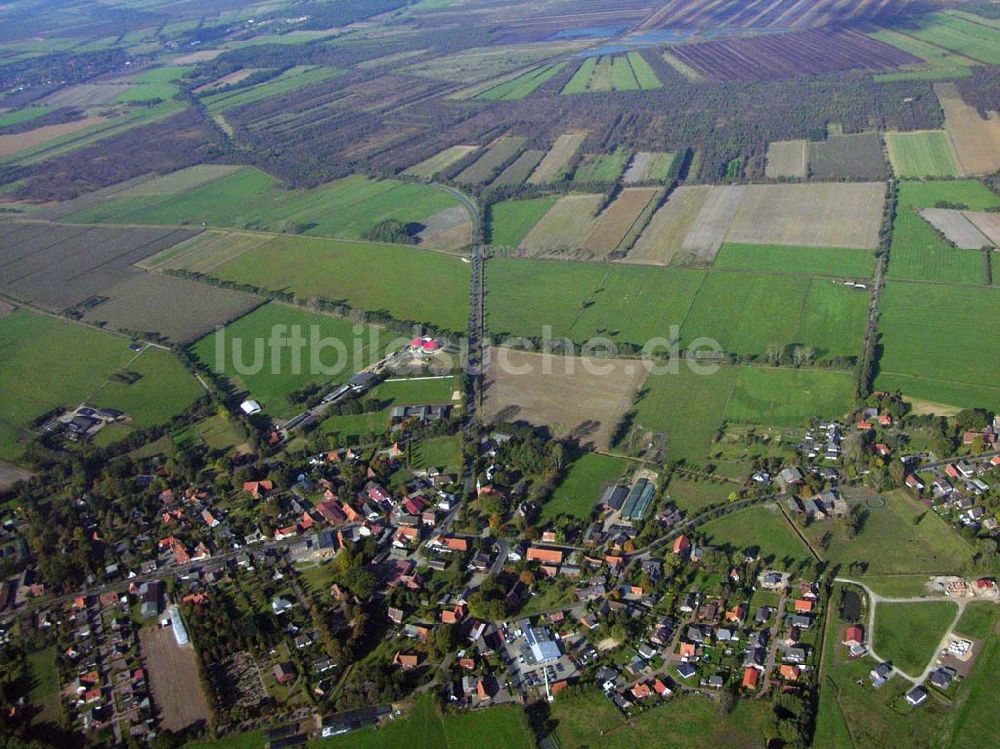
x,y
403,282
246,353
582,485
49,362
252,199
922,153
936,343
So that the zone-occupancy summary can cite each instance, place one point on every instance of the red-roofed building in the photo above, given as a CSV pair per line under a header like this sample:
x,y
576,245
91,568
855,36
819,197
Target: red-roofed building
x,y
803,606
541,554
682,544
454,543
788,673
660,688
641,691
854,636
885,420
864,426
751,677
331,512
257,489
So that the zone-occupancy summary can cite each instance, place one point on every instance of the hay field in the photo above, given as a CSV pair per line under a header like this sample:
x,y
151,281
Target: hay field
x,y
173,679
708,231
561,392
787,158
500,151
553,166
563,228
987,223
12,144
811,215
520,168
647,166
976,140
922,153
429,168
180,181
956,227
617,220
149,303
663,236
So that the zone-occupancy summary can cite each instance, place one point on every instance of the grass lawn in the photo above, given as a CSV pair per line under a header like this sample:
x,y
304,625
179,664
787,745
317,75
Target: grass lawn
x,y
586,718
922,153
908,633
511,220
810,261
45,685
392,279
425,728
762,527
892,542
979,620
692,495
935,348
438,452
49,362
252,199
418,391
270,373
580,489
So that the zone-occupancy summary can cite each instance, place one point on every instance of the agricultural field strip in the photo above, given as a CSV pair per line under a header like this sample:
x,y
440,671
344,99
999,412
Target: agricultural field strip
x,y
557,159
956,227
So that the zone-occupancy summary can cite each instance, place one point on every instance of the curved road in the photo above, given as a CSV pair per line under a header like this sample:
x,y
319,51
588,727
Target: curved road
x,y
874,599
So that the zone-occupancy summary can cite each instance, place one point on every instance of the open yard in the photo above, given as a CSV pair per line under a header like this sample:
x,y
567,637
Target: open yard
x,y
589,719
173,679
582,485
763,528
49,362
908,634
901,537
922,153
580,398
373,277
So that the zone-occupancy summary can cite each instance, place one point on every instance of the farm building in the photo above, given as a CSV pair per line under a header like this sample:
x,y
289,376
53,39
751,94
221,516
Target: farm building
x,y
177,624
638,500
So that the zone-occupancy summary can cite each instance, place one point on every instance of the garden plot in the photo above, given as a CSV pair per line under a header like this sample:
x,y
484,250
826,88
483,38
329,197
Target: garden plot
x,y
956,227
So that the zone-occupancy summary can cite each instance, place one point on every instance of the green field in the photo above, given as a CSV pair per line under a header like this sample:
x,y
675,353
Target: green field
x,y
268,373
45,685
159,83
937,346
444,453
908,634
417,391
429,168
582,485
745,313
424,728
501,151
586,719
979,620
918,251
692,495
613,73
25,114
759,527
923,153
940,62
292,79
971,39
523,85
602,167
49,362
252,199
690,408
810,261
511,220
902,537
